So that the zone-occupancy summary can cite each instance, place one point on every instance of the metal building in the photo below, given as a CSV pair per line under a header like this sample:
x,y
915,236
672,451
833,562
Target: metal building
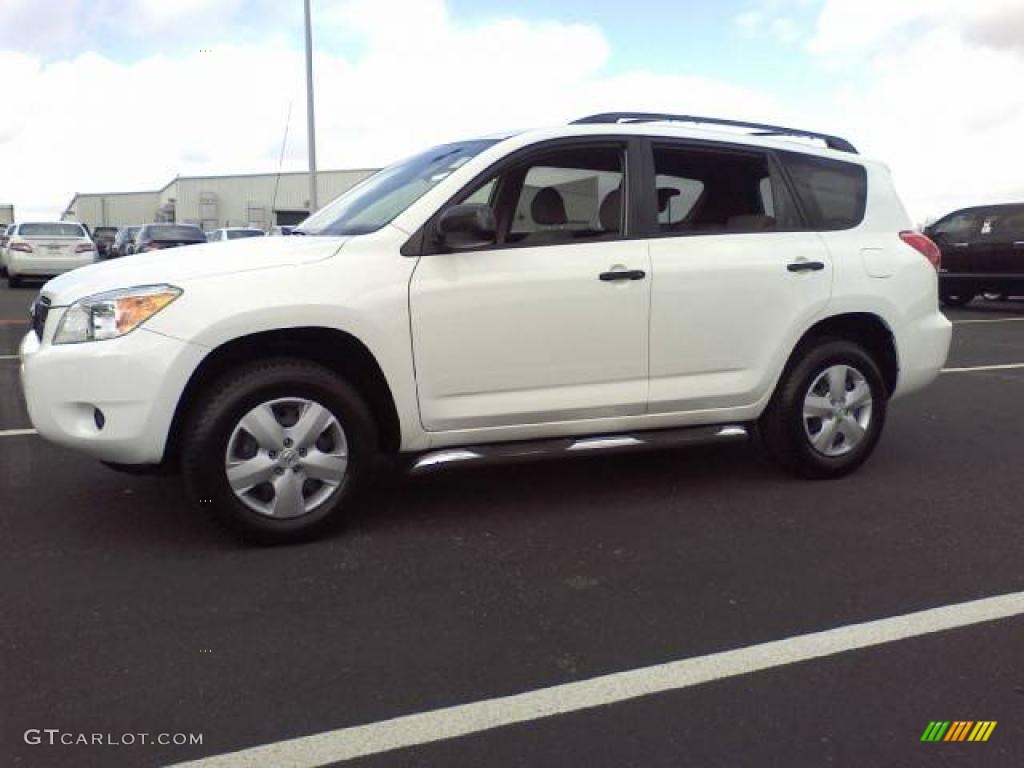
x,y
258,200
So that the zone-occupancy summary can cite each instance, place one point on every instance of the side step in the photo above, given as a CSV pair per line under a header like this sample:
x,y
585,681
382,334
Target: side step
x,y
567,446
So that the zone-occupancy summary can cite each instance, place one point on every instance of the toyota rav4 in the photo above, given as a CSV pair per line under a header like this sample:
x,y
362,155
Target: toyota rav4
x,y
627,280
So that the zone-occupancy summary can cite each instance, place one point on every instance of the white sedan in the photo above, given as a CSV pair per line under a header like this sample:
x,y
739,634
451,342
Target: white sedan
x,y
44,249
234,233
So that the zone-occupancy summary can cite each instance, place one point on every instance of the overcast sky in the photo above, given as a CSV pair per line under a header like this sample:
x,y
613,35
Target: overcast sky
x,y
116,95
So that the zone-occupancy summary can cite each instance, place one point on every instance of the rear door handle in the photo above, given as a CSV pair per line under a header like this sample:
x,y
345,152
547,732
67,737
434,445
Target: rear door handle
x,y
805,266
623,274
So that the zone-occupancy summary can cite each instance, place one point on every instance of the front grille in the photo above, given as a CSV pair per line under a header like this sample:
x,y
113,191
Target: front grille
x,y
40,309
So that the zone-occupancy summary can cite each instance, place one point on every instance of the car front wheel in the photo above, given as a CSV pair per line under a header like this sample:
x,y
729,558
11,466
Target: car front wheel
x,y
827,413
955,299
277,449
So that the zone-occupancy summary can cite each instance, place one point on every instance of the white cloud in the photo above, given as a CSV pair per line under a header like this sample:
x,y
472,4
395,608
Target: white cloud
x,y
934,89
88,123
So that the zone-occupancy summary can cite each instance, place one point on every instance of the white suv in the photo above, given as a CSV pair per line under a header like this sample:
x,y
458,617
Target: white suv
x,y
623,281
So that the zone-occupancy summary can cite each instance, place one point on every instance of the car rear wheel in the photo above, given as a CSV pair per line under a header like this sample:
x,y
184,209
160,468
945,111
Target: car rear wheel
x,y
954,299
828,411
277,449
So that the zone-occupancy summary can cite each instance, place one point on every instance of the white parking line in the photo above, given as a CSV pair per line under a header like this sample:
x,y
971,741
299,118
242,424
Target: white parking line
x,y
8,357
972,369
452,722
17,432
990,320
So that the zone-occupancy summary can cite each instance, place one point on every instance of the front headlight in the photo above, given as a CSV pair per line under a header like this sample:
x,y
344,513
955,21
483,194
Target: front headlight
x,y
112,314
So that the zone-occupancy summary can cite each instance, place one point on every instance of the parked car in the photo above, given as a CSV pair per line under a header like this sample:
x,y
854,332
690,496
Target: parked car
x,y
234,233
982,252
156,237
9,229
43,249
104,238
122,242
629,280
280,230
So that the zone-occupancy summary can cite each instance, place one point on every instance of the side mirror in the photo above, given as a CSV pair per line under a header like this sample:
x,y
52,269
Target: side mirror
x,y
467,226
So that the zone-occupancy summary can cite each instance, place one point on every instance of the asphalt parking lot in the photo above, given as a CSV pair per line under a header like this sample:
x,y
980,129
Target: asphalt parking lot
x,y
125,612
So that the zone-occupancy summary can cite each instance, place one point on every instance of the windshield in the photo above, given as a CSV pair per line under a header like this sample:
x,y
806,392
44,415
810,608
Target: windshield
x,y
379,199
234,234
51,230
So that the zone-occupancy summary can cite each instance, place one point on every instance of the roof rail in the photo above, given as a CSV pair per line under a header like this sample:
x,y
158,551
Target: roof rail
x,y
761,129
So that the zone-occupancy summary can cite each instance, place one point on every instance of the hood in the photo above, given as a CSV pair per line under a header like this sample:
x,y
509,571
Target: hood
x,y
178,266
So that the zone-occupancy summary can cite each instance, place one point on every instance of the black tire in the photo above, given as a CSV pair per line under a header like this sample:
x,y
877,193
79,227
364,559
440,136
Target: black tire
x,y
226,402
954,299
12,281
782,428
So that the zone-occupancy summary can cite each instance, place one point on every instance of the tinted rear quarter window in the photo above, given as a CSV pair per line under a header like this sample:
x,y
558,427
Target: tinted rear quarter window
x,y
833,193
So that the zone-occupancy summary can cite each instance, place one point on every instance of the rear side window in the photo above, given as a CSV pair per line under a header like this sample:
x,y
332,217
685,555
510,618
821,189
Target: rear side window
x,y
709,191
1004,225
51,230
964,225
833,193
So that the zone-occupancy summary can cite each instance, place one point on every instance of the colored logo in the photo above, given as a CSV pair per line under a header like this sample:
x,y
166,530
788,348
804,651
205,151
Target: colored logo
x,y
958,730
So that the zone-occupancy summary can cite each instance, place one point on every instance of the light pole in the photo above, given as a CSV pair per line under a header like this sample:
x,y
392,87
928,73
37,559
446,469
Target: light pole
x,y
310,120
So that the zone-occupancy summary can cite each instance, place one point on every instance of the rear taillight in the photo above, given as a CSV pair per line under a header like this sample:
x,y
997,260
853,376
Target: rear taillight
x,y
923,245
23,247
84,248
151,247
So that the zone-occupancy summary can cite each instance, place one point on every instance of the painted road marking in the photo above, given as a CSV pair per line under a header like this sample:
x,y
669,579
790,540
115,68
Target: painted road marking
x,y
990,320
464,719
1005,367
8,357
5,323
17,432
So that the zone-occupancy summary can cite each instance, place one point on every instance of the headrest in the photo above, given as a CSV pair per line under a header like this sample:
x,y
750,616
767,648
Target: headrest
x,y
610,215
548,208
665,195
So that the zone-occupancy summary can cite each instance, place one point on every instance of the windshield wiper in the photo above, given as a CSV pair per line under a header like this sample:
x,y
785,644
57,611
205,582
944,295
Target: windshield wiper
x,y
299,232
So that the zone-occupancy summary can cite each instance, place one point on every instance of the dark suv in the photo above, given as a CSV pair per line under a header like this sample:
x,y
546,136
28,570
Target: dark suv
x,y
154,237
122,242
982,252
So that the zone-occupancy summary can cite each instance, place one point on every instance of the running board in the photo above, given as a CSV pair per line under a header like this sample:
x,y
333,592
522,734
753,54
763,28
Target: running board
x,y
567,446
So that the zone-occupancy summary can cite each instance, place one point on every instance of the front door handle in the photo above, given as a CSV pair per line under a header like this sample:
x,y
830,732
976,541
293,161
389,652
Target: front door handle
x,y
805,266
623,274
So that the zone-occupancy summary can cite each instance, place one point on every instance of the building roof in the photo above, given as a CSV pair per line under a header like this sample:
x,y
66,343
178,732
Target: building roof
x,y
71,205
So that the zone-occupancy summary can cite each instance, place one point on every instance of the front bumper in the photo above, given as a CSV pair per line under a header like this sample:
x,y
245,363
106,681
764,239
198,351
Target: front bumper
x,y
135,382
